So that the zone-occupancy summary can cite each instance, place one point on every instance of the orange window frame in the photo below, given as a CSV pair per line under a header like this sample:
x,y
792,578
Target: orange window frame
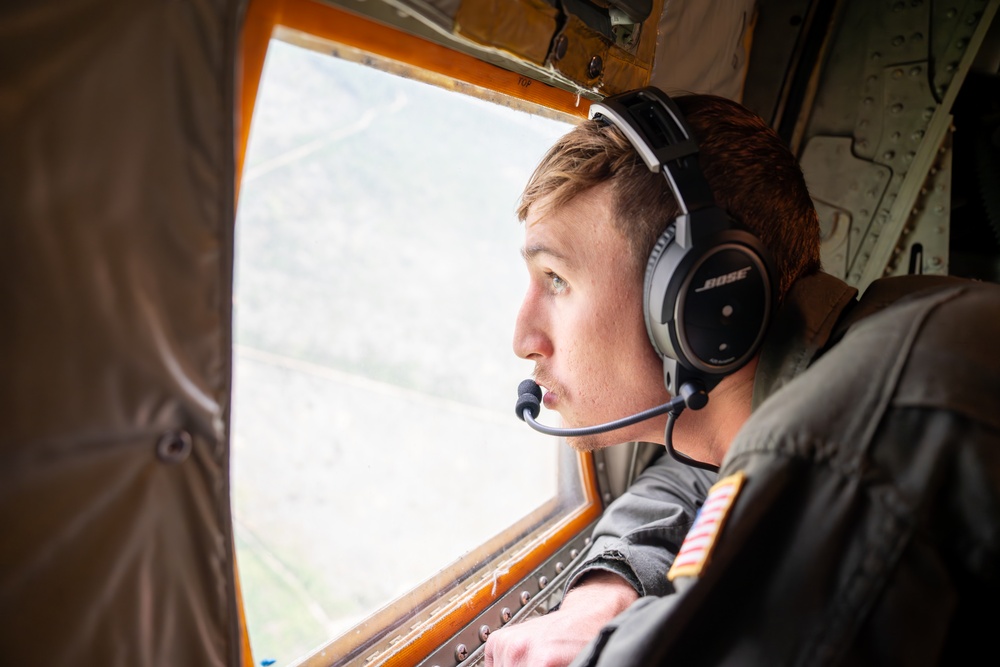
x,y
337,25
330,23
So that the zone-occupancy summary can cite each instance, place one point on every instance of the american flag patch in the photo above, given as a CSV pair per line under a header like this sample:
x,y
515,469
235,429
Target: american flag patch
x,y
700,540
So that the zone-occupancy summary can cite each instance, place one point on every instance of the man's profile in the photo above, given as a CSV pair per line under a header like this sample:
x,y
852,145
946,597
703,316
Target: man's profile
x,y
858,445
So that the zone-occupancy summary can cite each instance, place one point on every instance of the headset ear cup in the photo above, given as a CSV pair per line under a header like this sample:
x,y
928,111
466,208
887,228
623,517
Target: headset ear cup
x,y
652,301
724,304
707,306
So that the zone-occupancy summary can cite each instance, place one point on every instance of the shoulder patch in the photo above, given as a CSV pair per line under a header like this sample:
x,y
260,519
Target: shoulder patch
x,y
696,550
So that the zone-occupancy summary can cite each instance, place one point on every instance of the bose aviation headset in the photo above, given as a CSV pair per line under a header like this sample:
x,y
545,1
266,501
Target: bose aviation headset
x,y
710,284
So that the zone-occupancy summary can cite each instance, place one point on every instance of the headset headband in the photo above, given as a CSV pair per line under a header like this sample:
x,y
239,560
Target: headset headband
x,y
657,130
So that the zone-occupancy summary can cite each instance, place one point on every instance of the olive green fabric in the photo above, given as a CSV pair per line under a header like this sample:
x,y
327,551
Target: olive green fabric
x,y
864,532
116,214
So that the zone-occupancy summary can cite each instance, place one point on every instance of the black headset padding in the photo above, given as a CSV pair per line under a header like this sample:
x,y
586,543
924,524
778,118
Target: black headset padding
x,y
664,240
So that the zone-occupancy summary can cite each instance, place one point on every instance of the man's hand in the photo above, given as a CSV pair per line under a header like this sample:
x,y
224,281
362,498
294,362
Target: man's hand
x,y
555,639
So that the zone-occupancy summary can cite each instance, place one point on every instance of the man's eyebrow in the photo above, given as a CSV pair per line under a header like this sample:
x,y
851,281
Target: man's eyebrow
x,y
532,251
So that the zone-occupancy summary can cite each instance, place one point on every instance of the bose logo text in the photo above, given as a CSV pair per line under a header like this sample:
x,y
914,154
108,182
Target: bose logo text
x,y
711,283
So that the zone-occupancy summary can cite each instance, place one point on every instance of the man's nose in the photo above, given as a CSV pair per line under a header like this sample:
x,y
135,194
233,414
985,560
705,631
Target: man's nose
x,y
531,339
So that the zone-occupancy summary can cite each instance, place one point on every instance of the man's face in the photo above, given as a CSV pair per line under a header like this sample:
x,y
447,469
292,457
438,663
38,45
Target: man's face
x,y
581,321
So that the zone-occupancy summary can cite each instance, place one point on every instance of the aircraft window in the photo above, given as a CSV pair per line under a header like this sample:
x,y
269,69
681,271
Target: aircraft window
x,y
375,449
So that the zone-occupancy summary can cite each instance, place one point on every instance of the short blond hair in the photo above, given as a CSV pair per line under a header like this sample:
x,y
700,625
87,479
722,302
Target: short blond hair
x,y
752,174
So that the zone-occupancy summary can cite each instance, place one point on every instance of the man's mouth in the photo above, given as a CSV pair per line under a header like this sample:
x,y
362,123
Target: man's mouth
x,y
550,389
549,397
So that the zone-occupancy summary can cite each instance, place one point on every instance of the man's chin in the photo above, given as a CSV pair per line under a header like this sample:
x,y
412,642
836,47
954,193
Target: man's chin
x,y
589,443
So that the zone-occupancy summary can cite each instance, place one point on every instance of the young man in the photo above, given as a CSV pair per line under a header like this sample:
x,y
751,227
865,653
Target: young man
x,y
855,520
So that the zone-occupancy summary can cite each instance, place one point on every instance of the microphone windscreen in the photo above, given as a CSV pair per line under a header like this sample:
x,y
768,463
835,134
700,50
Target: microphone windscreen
x,y
529,387
528,402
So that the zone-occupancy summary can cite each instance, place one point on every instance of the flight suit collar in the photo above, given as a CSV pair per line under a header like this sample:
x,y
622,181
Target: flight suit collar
x,y
800,330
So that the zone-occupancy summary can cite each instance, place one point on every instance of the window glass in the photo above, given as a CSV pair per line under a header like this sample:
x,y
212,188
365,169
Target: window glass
x,y
377,282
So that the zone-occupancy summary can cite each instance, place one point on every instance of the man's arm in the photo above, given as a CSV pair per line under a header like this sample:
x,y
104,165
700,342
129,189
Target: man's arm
x,y
555,639
639,533
634,544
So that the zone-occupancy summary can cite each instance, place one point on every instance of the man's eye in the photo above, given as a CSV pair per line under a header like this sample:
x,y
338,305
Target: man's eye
x,y
557,283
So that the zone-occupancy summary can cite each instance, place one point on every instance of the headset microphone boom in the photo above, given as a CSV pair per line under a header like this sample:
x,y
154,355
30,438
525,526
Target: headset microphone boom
x,y
529,401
